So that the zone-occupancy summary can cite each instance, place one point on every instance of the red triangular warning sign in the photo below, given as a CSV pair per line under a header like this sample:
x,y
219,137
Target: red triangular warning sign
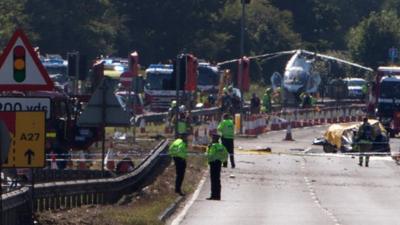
x,y
20,67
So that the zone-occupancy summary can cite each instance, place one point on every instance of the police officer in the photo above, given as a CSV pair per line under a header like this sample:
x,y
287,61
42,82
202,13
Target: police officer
x,y
226,102
216,155
178,151
306,100
364,140
226,129
183,124
267,100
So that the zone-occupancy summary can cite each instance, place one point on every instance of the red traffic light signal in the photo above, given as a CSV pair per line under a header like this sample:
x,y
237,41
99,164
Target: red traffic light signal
x,y
19,64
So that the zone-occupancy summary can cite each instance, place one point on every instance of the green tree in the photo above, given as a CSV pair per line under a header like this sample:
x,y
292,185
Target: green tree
x,y
322,23
160,30
87,26
267,30
11,16
370,41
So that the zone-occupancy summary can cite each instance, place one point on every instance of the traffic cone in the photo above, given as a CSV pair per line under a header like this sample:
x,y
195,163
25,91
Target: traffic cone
x,y
110,163
196,136
288,133
53,164
81,161
142,126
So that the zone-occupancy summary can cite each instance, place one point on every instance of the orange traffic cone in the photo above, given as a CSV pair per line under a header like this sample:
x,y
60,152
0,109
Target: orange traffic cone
x,y
288,136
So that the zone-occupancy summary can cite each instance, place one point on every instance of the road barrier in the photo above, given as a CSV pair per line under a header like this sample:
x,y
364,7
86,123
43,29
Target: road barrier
x,y
69,194
313,116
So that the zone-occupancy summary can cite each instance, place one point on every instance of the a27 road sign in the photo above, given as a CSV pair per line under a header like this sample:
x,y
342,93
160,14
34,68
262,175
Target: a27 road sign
x,y
27,130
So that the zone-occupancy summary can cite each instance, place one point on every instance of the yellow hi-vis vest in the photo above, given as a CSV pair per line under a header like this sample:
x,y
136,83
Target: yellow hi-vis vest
x,y
178,148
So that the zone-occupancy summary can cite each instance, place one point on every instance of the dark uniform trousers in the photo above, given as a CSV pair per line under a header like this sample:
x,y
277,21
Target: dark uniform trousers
x,y
180,166
228,143
215,175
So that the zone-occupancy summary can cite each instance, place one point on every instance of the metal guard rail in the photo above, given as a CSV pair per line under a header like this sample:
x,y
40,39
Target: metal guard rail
x,y
68,194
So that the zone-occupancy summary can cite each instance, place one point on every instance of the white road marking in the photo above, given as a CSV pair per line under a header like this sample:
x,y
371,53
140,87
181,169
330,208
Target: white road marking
x,y
178,219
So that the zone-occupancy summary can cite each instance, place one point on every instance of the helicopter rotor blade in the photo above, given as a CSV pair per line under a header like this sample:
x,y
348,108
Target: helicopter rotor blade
x,y
266,56
327,57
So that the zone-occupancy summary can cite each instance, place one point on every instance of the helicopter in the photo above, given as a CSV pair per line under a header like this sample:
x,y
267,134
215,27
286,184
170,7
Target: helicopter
x,y
299,75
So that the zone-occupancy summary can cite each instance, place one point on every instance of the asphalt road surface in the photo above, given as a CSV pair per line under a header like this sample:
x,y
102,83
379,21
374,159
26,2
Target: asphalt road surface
x,y
298,184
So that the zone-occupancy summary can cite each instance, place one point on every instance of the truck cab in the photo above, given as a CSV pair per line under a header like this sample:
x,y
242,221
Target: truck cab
x,y
159,90
61,127
386,99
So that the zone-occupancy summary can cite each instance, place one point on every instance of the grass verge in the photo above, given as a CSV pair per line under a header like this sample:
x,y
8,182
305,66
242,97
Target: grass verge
x,y
141,208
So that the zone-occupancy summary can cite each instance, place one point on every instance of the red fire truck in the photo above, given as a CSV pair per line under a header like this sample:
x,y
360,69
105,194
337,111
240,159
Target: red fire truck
x,y
160,87
385,99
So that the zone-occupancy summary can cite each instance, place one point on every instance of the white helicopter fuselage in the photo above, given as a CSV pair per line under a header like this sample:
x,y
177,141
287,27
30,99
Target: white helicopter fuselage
x,y
298,75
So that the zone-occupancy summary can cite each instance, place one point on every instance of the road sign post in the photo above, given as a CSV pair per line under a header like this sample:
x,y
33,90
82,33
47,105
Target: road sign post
x,y
104,110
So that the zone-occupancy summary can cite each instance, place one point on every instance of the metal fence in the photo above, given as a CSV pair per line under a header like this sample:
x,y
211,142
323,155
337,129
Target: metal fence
x,y
17,205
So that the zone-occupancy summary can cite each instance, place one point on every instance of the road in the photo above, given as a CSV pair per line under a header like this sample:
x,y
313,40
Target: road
x,y
289,187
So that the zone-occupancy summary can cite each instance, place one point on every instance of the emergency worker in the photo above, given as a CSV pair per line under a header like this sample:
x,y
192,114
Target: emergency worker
x,y
236,104
267,100
172,109
216,155
183,124
306,100
178,151
364,90
364,141
226,129
226,102
255,104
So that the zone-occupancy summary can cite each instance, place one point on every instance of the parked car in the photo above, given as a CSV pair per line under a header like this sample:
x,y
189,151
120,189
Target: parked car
x,y
340,137
355,87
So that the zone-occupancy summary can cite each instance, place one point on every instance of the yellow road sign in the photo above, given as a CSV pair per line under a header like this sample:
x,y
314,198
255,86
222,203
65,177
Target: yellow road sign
x,y
28,139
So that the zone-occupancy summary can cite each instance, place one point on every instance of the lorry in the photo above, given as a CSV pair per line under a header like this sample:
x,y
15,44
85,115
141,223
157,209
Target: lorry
x,y
385,100
208,79
160,87
159,90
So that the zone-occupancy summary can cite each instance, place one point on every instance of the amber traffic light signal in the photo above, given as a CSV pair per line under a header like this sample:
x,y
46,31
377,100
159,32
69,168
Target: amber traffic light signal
x,y
19,64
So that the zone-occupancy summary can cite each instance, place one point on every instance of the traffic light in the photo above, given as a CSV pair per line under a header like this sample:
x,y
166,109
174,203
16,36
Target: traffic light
x,y
73,60
19,65
191,73
181,77
187,72
244,74
83,67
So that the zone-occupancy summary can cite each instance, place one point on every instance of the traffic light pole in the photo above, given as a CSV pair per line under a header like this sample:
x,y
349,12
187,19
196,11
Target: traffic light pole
x,y
177,73
243,18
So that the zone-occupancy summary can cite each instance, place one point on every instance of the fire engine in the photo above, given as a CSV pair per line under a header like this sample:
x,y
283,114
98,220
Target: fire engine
x,y
161,83
159,90
208,79
386,98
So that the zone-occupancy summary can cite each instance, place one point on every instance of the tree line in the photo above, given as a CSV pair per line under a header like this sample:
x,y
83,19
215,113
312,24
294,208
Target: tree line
x,y
360,30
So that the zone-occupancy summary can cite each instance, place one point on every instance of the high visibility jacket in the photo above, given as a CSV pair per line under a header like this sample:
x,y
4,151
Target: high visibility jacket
x,y
178,148
267,102
226,129
182,127
217,151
